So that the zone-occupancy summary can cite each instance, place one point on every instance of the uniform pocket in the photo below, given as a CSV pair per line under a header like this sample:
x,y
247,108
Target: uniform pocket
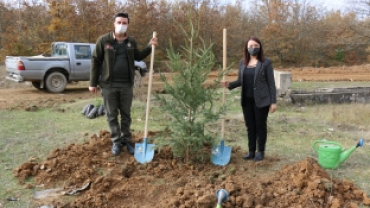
x,y
130,51
109,54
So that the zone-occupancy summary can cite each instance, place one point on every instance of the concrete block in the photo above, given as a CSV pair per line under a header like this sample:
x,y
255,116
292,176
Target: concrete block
x,y
283,81
331,95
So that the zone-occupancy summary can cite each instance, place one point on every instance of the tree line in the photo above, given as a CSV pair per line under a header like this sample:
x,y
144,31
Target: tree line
x,y
293,32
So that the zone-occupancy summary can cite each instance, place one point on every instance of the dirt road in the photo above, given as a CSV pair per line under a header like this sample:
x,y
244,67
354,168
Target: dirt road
x,y
353,73
28,97
23,95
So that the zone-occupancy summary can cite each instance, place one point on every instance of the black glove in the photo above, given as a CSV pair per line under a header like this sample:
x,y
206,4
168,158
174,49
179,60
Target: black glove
x,y
143,72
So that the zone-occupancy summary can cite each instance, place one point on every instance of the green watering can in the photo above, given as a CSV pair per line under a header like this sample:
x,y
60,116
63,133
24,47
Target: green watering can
x,y
331,154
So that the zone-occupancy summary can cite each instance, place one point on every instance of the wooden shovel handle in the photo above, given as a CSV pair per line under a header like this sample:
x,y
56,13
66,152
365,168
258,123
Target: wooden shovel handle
x,y
149,88
223,78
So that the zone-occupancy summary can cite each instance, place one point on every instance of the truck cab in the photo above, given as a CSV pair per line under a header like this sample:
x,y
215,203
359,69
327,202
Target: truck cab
x,y
79,55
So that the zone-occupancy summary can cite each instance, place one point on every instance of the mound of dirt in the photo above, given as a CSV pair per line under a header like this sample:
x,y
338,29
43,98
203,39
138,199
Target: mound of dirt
x,y
168,182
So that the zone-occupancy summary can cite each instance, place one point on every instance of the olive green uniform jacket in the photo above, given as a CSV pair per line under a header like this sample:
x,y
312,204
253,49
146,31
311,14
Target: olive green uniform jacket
x,y
103,59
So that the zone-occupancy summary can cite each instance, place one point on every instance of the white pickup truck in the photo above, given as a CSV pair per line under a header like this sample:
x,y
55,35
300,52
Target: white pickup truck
x,y
67,62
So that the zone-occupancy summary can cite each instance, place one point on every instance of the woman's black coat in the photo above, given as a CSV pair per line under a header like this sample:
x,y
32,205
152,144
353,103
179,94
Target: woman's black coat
x,y
264,83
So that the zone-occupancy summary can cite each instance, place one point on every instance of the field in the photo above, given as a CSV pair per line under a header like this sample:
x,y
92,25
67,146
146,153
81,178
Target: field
x,y
345,73
47,144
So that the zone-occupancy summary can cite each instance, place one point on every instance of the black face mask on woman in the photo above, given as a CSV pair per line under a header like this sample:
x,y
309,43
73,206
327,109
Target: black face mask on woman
x,y
253,51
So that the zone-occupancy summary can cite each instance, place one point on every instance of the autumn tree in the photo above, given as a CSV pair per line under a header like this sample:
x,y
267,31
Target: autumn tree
x,y
362,26
93,20
338,37
239,28
34,22
276,33
13,31
3,22
294,32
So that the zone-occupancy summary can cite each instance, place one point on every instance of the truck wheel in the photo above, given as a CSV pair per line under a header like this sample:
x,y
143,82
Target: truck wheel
x,y
55,82
37,85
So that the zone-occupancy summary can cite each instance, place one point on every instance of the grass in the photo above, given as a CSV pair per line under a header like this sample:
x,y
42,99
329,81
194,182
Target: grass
x,y
292,130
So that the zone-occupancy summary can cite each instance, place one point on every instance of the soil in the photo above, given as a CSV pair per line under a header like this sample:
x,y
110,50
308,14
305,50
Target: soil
x,y
167,181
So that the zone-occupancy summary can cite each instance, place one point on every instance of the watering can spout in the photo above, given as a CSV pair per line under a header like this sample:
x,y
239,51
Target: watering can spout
x,y
345,154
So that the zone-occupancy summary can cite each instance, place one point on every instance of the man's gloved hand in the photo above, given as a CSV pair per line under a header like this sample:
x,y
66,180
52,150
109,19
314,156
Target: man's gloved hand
x,y
143,72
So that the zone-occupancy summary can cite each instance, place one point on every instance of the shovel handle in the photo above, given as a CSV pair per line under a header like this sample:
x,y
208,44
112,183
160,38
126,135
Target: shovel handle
x,y
224,60
149,88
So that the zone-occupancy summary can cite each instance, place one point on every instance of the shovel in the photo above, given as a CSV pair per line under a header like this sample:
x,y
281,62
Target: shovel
x,y
144,152
220,155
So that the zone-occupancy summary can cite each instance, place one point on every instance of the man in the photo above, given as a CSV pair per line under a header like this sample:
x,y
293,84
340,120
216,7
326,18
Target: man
x,y
112,67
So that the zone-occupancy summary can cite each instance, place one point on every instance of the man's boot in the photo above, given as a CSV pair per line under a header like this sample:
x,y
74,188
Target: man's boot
x,y
130,147
116,148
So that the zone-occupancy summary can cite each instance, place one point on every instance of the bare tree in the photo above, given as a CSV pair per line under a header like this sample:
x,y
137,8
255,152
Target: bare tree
x,y
360,7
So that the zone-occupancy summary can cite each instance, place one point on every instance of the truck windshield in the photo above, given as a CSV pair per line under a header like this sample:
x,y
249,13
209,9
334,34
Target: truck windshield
x,y
59,49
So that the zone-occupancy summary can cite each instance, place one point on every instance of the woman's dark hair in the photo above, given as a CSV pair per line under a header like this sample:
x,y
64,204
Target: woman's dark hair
x,y
122,14
247,56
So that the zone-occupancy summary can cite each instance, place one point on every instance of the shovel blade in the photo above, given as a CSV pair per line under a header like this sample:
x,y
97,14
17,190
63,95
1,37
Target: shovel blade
x,y
221,154
144,152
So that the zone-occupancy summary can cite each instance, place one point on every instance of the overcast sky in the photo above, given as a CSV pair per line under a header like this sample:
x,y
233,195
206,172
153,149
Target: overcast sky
x,y
334,4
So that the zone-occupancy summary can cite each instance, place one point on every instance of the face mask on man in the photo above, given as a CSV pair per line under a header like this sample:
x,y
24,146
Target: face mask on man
x,y
253,51
121,29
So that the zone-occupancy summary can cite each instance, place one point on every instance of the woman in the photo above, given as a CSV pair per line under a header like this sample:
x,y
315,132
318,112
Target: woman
x,y
258,95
